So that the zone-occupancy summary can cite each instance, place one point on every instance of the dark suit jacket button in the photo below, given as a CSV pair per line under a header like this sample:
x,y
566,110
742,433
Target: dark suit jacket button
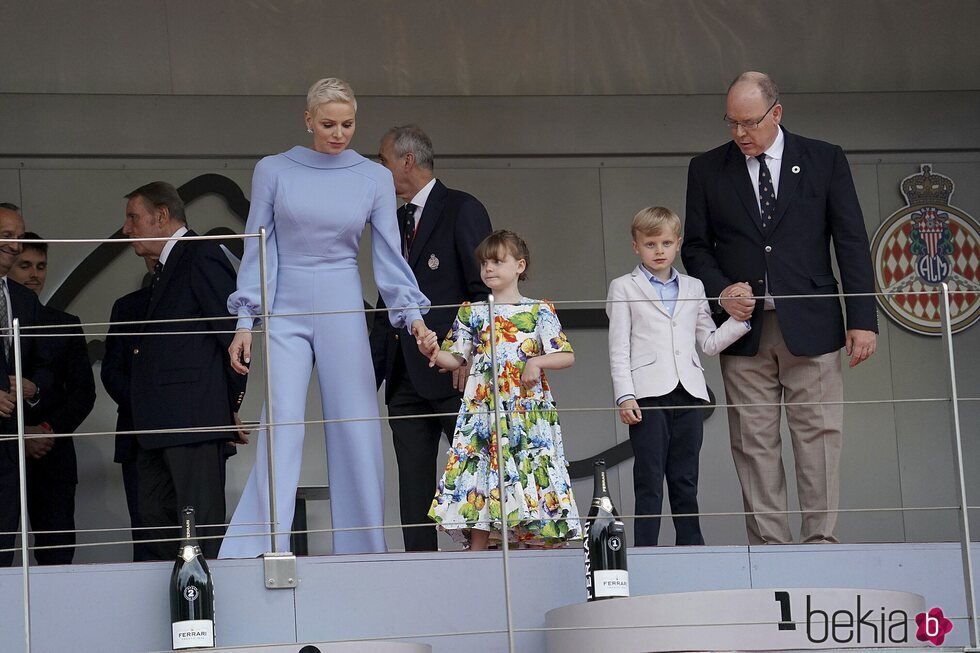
x,y
136,350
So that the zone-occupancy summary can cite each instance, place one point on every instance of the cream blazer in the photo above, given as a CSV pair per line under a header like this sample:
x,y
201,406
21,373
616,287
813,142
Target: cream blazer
x,y
650,352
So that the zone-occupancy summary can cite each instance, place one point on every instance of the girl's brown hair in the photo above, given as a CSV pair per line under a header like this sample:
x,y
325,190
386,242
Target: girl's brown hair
x,y
503,242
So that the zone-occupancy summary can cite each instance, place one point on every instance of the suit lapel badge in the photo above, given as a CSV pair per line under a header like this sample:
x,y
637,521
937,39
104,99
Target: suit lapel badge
x,y
433,262
796,170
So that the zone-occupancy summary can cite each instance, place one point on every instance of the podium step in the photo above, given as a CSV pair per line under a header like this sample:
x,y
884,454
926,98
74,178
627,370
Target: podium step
x,y
331,647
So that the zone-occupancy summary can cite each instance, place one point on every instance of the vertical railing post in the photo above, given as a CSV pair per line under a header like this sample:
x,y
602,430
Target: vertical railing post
x,y
22,470
505,545
947,333
269,421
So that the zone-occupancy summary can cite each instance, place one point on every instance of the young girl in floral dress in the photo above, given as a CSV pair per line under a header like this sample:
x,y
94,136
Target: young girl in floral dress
x,y
539,505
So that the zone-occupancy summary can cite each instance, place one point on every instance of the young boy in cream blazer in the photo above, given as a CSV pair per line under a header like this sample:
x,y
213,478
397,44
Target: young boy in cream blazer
x,y
656,315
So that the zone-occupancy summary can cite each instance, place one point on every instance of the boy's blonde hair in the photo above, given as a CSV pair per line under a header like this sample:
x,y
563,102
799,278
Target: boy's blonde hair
x,y
654,219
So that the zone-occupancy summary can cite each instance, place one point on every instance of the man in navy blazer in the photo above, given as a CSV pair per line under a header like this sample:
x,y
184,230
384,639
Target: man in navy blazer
x,y
440,230
180,377
116,360
22,304
52,469
762,212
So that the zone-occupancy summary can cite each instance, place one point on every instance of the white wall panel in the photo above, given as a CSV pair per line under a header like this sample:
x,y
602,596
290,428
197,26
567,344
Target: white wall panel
x,y
10,187
557,211
102,46
228,47
471,127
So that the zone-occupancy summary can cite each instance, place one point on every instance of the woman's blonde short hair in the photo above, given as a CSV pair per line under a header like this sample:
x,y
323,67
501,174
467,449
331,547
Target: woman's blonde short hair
x,y
654,219
329,89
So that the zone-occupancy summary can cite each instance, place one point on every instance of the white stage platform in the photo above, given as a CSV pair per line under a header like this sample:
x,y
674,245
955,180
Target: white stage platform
x,y
449,601
743,620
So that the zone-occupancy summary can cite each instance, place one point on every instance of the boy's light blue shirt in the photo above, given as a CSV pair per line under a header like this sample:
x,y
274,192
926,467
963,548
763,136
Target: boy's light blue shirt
x,y
668,290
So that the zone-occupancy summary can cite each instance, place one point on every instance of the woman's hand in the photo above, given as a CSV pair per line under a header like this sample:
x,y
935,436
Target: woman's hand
x,y
240,351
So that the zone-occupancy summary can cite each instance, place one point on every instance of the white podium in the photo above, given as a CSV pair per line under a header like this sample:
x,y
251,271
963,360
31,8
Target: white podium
x,y
788,619
333,647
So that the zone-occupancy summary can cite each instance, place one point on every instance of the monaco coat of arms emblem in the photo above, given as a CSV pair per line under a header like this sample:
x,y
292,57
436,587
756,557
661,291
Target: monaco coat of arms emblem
x,y
923,244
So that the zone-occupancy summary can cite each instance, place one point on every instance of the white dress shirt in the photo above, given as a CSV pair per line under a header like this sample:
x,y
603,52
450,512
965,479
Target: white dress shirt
x,y
774,159
420,199
169,245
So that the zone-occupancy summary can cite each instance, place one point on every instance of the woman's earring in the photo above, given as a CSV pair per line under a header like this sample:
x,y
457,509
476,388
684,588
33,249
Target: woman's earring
x,y
309,131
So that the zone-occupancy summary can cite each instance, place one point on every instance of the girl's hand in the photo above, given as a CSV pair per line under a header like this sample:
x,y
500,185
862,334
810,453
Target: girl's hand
x,y
240,351
531,373
429,346
629,412
460,376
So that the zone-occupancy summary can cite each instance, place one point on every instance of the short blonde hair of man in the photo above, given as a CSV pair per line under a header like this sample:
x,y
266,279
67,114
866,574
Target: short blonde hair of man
x,y
653,220
329,89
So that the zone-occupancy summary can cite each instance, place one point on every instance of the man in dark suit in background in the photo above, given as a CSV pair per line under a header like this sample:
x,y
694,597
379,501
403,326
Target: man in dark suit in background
x,y
762,211
52,471
440,229
180,378
116,364
16,302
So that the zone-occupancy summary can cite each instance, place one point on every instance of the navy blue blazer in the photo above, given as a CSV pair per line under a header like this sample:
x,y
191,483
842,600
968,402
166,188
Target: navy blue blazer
x,y
116,364
452,224
66,404
816,205
182,379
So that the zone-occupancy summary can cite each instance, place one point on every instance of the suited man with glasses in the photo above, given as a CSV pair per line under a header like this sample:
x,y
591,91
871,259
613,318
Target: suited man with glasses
x,y
762,212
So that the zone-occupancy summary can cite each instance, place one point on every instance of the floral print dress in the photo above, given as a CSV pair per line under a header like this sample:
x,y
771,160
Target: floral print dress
x,y
539,504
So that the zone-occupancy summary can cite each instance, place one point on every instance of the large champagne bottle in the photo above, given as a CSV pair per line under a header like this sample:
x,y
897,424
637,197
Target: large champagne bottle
x,y
191,592
605,544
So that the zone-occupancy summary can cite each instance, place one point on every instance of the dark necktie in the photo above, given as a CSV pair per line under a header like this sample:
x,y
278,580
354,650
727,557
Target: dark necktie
x,y
408,227
767,192
157,269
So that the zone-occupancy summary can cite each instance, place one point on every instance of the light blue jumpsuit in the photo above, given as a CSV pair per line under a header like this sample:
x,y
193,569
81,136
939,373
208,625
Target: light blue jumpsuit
x,y
314,207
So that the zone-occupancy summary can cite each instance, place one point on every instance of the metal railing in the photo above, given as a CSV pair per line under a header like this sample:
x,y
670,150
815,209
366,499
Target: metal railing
x,y
267,318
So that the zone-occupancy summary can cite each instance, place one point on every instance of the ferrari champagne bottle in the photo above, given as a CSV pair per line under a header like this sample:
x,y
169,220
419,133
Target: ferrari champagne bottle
x,y
191,592
605,544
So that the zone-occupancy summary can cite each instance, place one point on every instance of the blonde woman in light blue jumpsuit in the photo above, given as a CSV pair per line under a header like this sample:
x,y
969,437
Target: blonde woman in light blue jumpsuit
x,y
314,204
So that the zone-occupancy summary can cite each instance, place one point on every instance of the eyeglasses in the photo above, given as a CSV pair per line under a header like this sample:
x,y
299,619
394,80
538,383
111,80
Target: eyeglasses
x,y
750,124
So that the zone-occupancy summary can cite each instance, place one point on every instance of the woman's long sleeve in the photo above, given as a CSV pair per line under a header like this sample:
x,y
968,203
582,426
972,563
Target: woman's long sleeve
x,y
394,278
246,301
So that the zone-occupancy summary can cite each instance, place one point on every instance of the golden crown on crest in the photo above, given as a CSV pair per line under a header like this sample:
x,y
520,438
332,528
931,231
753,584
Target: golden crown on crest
x,y
927,188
